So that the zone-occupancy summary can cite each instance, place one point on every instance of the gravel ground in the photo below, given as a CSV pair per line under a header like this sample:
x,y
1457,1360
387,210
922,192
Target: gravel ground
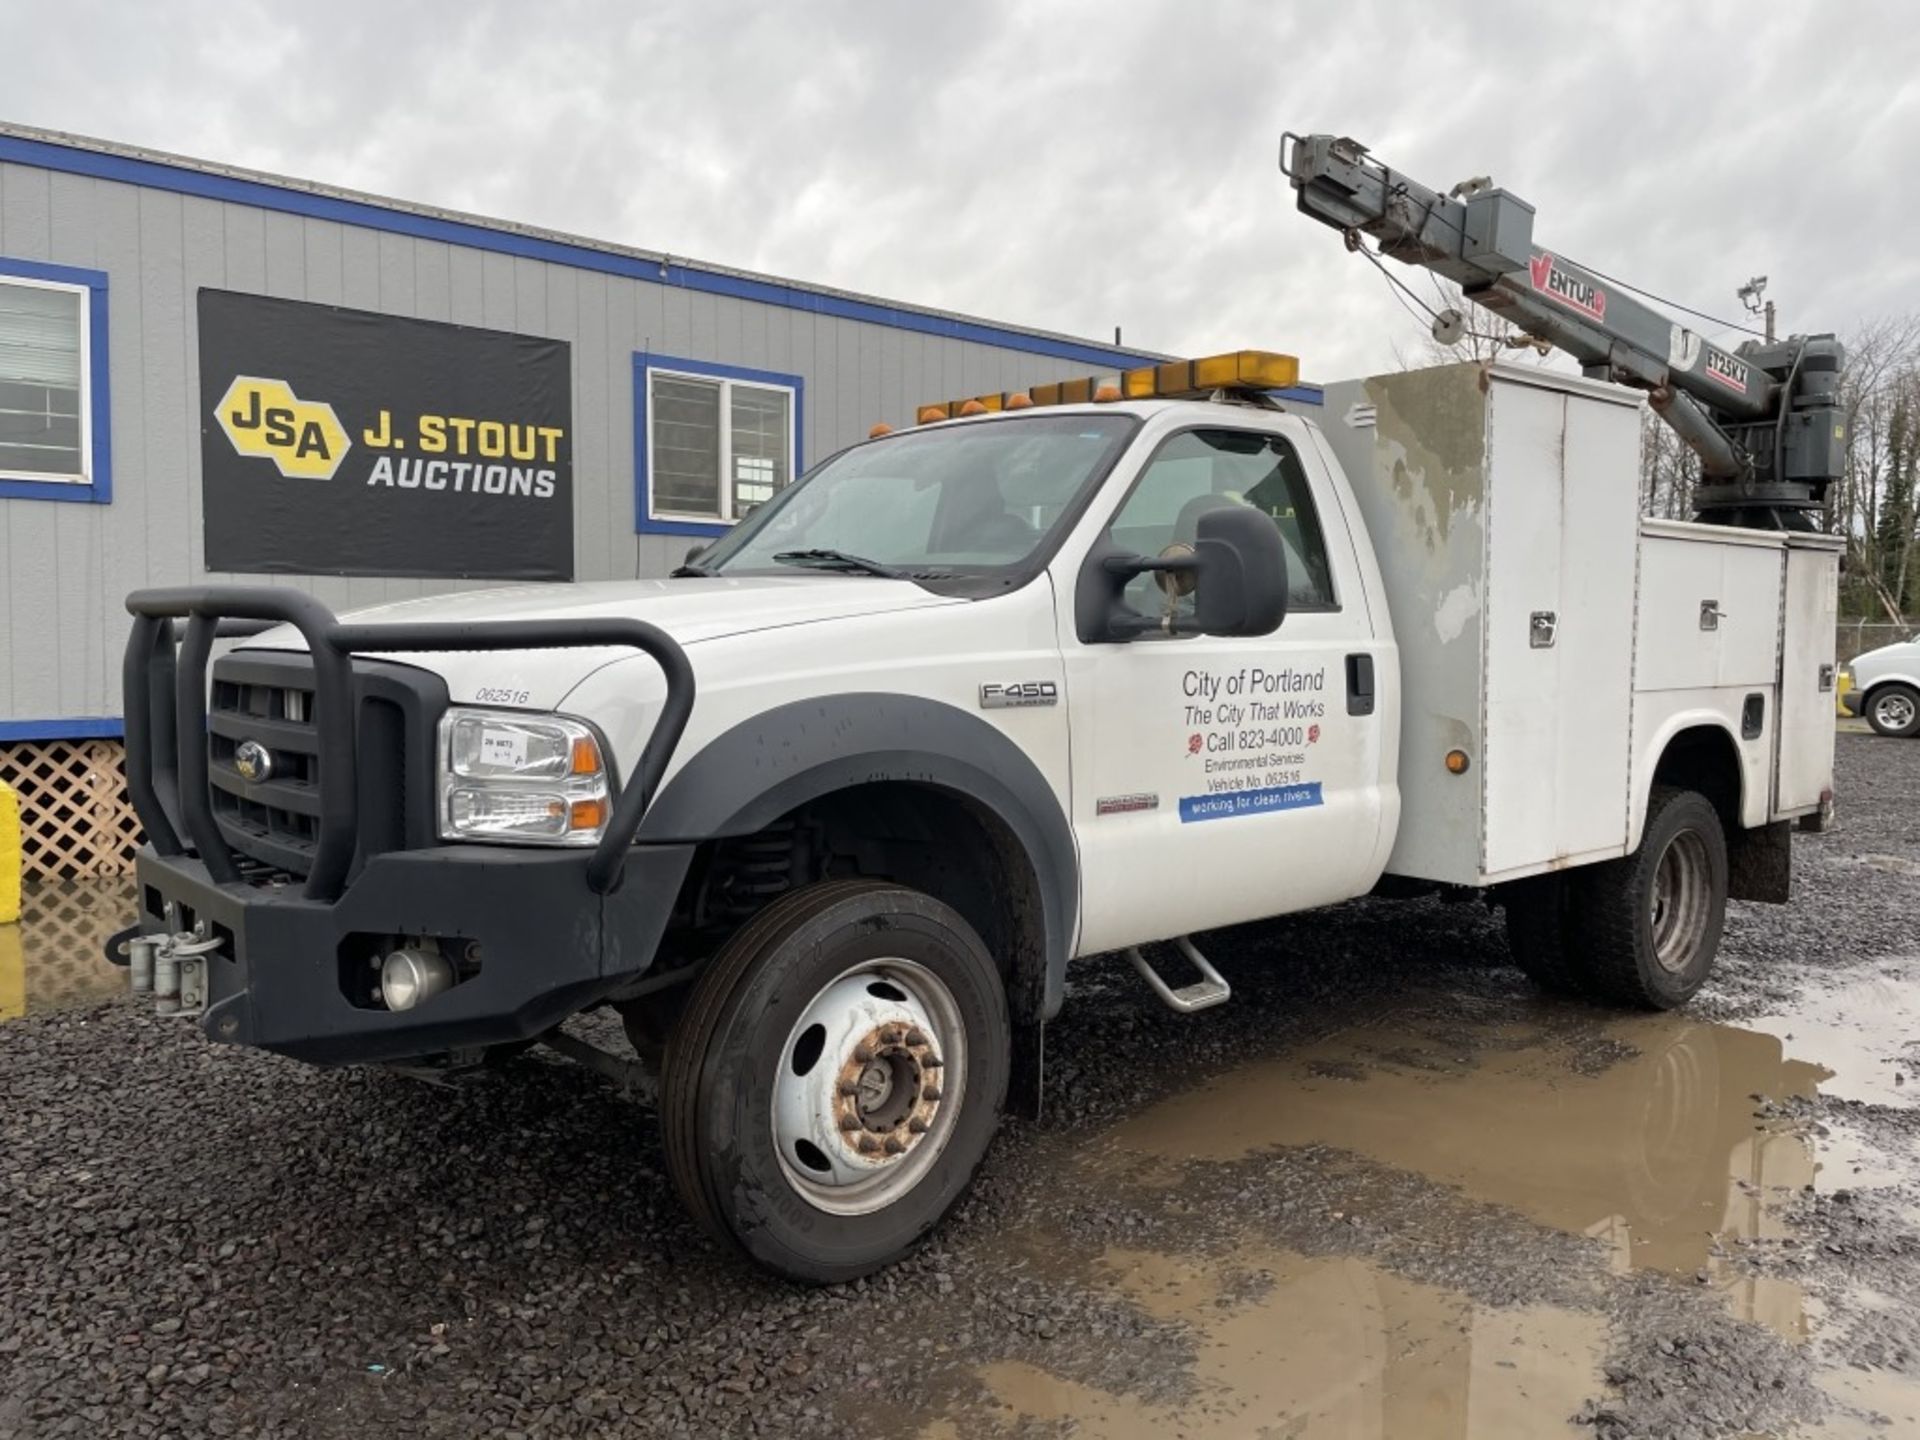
x,y
196,1240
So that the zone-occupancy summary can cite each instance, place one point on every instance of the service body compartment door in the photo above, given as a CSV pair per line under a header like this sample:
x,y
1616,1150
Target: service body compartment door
x,y
1804,773
1559,641
1709,607
1219,780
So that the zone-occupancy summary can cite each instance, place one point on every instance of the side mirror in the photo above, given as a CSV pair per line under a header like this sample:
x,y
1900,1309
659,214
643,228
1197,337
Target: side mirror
x,y
1240,580
694,552
1236,571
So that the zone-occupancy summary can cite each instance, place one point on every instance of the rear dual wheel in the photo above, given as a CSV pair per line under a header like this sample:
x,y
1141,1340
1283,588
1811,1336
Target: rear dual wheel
x,y
836,1078
1642,930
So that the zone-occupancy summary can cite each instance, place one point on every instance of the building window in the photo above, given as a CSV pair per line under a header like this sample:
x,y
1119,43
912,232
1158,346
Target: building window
x,y
710,442
53,403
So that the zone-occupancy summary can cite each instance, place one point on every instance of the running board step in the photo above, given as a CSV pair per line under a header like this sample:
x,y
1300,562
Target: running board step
x,y
1209,990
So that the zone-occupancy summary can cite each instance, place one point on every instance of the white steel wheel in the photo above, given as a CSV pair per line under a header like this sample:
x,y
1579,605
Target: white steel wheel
x,y
873,1077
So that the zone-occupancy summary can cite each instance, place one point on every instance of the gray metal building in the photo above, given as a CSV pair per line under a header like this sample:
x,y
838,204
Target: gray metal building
x,y
672,369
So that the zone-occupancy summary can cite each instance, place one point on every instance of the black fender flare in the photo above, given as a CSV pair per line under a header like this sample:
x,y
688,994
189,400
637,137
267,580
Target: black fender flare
x,y
747,777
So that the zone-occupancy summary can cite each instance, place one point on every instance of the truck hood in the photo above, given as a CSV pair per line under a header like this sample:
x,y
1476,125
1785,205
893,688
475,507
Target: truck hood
x,y
692,610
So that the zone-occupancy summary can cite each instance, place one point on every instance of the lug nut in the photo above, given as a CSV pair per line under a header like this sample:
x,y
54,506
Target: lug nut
x,y
869,1145
863,1053
896,1147
932,1092
932,1062
847,1087
916,1037
847,1122
889,1037
917,1125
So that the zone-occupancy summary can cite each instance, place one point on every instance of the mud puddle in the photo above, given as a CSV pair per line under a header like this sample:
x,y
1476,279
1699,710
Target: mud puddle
x,y
1323,1345
1866,1028
54,958
1661,1147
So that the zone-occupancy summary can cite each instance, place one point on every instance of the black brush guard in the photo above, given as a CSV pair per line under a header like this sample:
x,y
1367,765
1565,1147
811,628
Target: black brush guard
x,y
166,715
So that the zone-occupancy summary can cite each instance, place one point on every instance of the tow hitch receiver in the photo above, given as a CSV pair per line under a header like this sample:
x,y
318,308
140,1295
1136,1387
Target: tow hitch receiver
x,y
1209,990
172,969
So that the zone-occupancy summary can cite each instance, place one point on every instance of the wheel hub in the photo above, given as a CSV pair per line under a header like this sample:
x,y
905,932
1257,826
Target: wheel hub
x,y
859,1105
886,1100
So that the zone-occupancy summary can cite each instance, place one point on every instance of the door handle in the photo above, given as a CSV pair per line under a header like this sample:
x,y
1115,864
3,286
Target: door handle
x,y
1359,684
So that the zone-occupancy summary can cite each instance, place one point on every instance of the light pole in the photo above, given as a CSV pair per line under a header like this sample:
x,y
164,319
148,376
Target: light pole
x,y
1750,294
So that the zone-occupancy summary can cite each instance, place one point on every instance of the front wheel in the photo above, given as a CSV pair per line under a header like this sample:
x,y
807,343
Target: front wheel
x,y
836,1078
1894,709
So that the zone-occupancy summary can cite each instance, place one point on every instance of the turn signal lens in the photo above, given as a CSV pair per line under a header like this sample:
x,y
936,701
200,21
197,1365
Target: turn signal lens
x,y
587,815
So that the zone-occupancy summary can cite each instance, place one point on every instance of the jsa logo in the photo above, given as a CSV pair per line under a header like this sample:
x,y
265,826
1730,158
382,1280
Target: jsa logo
x,y
303,438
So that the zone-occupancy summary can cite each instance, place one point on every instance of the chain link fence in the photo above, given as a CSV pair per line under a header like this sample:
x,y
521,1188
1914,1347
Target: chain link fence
x,y
1856,637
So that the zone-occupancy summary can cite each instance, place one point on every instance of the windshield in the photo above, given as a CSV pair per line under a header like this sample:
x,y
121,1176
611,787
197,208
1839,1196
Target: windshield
x,y
945,502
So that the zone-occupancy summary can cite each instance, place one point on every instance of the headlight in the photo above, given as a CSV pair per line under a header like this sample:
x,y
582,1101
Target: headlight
x,y
541,780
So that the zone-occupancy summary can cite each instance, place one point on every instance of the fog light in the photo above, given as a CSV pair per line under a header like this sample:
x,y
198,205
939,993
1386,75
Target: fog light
x,y
410,975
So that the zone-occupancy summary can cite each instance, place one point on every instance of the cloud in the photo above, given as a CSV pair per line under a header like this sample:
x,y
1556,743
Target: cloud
x,y
1075,169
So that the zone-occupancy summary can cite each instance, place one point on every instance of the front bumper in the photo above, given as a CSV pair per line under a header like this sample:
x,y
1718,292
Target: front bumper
x,y
296,975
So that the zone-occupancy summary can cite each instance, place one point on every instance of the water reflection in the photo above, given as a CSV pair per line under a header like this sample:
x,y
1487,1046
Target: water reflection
x,y
53,957
1656,1135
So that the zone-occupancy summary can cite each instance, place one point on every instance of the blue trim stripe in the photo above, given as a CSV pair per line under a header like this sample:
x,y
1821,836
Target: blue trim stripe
x,y
643,518
99,489
83,727
158,175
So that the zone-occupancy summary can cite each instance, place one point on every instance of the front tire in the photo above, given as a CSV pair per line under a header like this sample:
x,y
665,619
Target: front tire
x,y
1894,709
836,1078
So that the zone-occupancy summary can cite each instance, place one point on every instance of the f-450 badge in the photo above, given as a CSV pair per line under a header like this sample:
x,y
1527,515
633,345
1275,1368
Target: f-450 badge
x,y
1020,693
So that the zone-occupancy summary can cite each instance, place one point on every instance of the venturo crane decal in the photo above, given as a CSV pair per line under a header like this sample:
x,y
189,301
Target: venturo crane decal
x,y
1570,290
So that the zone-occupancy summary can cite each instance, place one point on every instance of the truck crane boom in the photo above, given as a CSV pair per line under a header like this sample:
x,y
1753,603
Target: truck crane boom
x,y
1764,419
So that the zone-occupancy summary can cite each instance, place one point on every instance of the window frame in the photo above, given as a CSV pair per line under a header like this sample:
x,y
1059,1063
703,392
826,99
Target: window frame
x,y
94,485
648,520
1333,579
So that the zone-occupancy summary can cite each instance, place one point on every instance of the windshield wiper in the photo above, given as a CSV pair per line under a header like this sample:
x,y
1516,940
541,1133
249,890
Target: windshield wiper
x,y
839,560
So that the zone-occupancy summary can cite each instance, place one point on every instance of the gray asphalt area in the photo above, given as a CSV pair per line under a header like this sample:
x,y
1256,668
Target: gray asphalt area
x,y
1388,1190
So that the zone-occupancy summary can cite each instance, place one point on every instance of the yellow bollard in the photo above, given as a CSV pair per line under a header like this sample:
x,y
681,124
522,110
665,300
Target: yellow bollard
x,y
9,856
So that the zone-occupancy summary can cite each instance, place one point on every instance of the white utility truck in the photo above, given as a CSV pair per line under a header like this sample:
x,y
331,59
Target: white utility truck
x,y
825,815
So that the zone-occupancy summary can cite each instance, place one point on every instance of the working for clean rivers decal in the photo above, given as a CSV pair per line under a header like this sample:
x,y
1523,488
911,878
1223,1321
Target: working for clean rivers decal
x,y
1251,734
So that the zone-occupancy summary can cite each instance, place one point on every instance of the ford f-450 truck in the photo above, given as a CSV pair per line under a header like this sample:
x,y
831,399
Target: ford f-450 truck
x,y
827,816
824,816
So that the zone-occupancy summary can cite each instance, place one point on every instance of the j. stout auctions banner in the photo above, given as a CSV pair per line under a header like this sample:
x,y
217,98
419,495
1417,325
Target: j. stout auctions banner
x,y
338,442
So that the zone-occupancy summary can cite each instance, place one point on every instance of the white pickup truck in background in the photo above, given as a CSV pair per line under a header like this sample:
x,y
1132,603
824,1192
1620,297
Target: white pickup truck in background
x,y
965,702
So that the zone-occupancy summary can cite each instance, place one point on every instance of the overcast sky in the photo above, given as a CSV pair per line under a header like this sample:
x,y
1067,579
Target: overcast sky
x,y
1074,168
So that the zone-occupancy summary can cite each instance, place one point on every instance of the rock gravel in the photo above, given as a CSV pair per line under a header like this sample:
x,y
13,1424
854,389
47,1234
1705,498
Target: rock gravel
x,y
199,1241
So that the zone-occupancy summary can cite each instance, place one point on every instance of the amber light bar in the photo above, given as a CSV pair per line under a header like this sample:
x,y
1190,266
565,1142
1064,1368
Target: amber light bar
x,y
1174,380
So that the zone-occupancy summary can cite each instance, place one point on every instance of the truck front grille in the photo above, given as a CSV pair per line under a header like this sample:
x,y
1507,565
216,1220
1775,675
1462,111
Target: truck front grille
x,y
262,709
274,818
